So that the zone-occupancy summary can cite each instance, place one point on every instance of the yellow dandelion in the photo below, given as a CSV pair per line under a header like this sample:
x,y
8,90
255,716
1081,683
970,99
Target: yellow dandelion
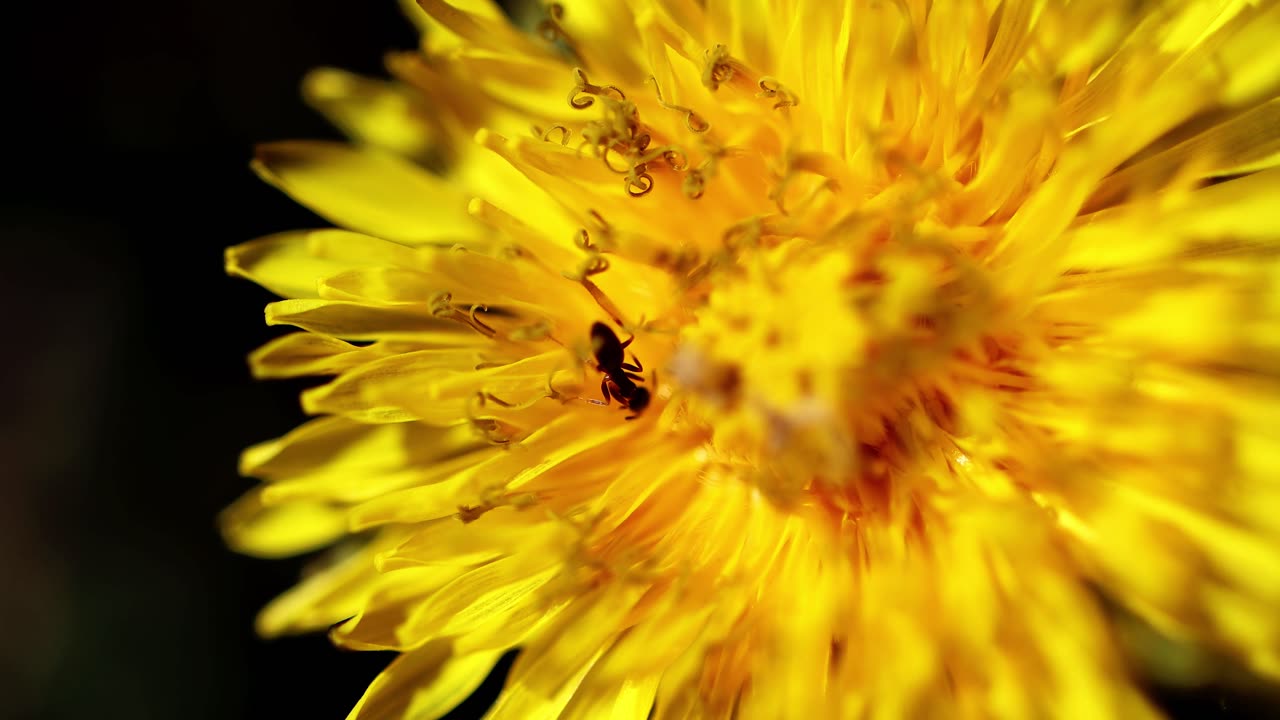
x,y
784,358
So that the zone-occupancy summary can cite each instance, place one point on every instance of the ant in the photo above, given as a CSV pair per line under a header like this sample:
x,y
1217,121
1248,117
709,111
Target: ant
x,y
620,380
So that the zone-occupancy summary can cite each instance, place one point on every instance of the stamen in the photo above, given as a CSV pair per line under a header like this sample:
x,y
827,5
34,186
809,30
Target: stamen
x,y
779,194
593,265
695,182
621,133
835,179
771,88
694,185
583,87
718,68
485,396
583,237
743,234
600,221
604,302
549,29
494,496
552,392
479,323
676,158
665,154
512,251
639,184
677,263
491,429
441,306
604,155
695,122
565,133
471,513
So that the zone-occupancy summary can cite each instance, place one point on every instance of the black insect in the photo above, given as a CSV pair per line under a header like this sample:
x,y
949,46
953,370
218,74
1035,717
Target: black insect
x,y
620,378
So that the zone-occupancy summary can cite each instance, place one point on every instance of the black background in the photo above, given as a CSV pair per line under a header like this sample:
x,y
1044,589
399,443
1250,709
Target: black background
x,y
127,400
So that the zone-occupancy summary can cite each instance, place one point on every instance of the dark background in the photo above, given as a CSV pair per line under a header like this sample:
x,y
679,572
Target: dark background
x,y
126,395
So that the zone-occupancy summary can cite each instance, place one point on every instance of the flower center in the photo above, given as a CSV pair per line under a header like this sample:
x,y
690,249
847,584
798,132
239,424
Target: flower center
x,y
815,363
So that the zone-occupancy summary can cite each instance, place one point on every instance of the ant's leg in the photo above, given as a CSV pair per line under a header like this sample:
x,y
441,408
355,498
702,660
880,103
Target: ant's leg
x,y
631,370
628,342
604,390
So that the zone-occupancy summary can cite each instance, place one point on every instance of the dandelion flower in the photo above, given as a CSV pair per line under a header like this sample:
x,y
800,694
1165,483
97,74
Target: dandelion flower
x,y
949,328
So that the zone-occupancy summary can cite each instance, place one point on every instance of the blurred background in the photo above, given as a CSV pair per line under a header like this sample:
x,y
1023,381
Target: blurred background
x,y
127,394
128,400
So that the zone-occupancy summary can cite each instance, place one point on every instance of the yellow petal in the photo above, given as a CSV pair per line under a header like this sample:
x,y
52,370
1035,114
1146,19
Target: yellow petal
x,y
386,609
368,191
445,385
374,113
581,634
338,461
354,250
1250,55
534,86
300,354
479,23
355,394
356,321
1232,217
414,13
280,531
1247,142
513,629
653,644
325,596
521,703
440,499
424,684
498,532
478,596
281,263
361,486
603,33
628,699
334,445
